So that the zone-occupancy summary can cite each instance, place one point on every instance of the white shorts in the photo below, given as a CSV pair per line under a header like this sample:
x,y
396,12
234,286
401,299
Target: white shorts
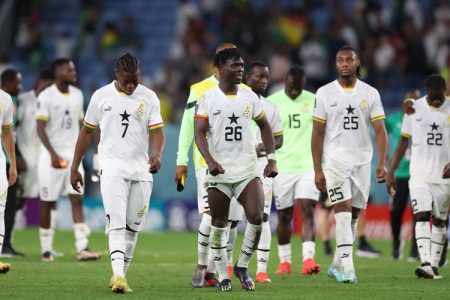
x,y
125,201
28,181
55,182
3,188
202,194
430,197
346,184
292,186
267,185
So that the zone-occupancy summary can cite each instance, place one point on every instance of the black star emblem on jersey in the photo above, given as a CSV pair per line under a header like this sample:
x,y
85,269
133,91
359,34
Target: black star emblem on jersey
x,y
434,126
350,109
233,119
125,116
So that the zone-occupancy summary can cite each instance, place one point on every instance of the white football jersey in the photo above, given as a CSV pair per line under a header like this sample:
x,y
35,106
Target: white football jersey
x,y
273,116
429,130
63,113
6,117
347,114
27,139
230,137
124,122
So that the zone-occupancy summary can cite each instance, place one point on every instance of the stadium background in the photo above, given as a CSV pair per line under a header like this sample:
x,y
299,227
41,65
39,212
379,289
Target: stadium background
x,y
400,42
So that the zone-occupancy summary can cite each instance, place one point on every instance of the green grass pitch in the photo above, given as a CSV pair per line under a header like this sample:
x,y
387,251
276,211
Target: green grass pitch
x,y
163,264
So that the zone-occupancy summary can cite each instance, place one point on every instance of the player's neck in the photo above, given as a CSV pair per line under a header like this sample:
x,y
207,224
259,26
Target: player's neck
x,y
228,88
62,86
347,82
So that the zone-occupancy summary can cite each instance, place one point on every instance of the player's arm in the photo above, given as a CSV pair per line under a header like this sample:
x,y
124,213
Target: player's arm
x,y
9,145
201,125
157,141
186,137
84,139
446,173
398,155
381,140
269,144
56,159
318,136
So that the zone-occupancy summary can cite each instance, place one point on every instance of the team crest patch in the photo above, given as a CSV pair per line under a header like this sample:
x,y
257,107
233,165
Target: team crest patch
x,y
247,111
141,213
140,111
305,107
448,121
363,105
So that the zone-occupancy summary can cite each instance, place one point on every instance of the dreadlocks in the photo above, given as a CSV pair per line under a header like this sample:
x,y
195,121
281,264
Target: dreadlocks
x,y
128,63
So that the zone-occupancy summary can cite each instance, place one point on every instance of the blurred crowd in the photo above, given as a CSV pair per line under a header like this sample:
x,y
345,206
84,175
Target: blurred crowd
x,y
399,42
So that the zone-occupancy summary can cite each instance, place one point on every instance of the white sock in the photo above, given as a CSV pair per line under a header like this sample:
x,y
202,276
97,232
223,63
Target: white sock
x,y
263,252
2,229
218,241
130,245
344,240
232,235
309,250
117,250
211,266
249,245
437,244
53,218
204,231
81,241
46,236
423,236
284,253
354,226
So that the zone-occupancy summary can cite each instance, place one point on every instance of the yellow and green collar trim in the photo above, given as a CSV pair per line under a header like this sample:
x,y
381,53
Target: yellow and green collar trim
x,y
316,119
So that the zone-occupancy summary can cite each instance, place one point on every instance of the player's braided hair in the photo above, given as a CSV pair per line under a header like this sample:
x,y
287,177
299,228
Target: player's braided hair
x,y
128,63
435,82
59,62
350,48
296,72
8,76
226,54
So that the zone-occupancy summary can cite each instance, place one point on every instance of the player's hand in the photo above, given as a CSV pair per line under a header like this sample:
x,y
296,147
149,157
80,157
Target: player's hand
x,y
319,179
155,163
390,183
12,175
381,173
180,171
271,169
446,171
214,168
21,165
58,162
76,180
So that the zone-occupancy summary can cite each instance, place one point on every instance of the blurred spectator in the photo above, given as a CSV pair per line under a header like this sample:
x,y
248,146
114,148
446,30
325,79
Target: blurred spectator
x,y
110,39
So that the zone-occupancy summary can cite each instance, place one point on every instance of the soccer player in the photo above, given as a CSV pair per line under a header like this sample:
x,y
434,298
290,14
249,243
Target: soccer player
x,y
204,274
225,115
400,197
130,150
11,83
429,131
295,183
6,117
342,152
257,78
60,108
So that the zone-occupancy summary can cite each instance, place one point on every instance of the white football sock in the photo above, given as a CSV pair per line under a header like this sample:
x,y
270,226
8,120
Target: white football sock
x,y
263,252
117,250
354,226
249,245
423,236
284,253
53,218
309,249
2,229
130,245
204,231
218,241
437,244
46,236
232,235
344,240
81,241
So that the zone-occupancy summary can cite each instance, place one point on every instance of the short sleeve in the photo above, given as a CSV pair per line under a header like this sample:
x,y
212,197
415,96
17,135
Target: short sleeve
x,y
92,113
406,127
320,113
275,122
201,109
8,115
81,106
155,120
42,112
258,111
376,111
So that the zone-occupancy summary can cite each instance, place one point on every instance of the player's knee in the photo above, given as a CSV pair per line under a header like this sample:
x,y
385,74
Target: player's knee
x,y
423,216
255,219
284,217
219,222
265,217
438,222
